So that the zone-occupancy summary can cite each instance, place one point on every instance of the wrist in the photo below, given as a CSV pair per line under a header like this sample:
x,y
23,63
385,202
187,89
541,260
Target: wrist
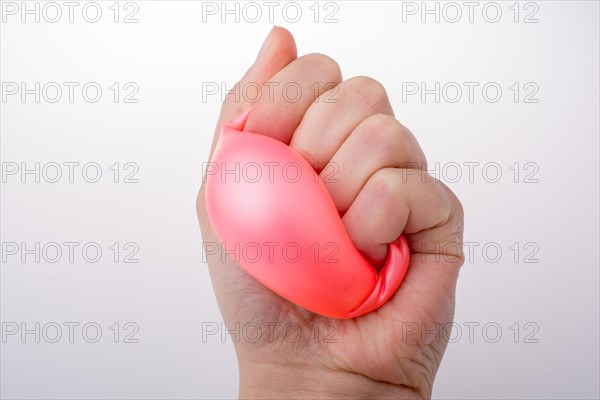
x,y
270,381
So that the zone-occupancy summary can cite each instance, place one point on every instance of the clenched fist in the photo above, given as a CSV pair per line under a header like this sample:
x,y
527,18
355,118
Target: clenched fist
x,y
381,190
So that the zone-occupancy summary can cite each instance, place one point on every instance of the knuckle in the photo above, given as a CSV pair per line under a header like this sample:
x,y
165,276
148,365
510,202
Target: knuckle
x,y
388,148
455,204
368,91
380,122
384,185
387,136
326,68
378,132
445,201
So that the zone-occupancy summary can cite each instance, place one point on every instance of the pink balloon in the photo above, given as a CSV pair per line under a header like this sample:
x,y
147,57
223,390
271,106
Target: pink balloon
x,y
275,218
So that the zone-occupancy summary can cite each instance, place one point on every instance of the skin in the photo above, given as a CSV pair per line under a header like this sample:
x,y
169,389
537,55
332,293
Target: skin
x,y
381,192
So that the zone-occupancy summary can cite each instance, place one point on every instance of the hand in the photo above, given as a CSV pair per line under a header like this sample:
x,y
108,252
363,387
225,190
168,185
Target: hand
x,y
382,190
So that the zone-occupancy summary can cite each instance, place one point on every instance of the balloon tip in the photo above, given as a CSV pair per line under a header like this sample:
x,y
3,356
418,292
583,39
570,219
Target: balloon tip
x,y
239,122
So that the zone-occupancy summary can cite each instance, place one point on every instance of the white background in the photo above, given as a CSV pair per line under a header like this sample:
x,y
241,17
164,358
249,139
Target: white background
x,y
550,209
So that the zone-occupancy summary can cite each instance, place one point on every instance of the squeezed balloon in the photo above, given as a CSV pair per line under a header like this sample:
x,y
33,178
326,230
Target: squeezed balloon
x,y
275,218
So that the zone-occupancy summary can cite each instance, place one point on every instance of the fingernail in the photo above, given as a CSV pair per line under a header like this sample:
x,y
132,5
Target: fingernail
x,y
266,44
